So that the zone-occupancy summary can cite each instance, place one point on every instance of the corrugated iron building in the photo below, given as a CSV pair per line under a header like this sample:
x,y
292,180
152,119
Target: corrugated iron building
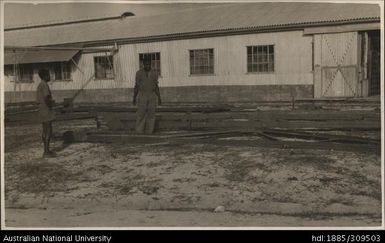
x,y
238,52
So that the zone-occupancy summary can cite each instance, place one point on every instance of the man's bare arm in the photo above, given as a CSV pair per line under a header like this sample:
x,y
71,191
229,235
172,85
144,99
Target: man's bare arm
x,y
136,90
48,101
135,94
157,92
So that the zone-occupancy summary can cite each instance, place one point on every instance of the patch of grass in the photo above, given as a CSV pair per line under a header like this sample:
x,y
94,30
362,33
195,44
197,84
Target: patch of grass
x,y
148,189
103,169
131,182
182,180
126,188
195,149
83,176
340,200
374,194
154,164
238,170
362,179
317,161
38,177
328,180
214,184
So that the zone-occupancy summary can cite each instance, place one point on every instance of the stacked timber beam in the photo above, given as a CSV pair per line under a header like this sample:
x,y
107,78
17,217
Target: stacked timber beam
x,y
279,128
352,115
296,119
232,138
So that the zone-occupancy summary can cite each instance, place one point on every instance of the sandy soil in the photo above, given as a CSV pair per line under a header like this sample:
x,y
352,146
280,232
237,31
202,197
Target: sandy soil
x,y
125,185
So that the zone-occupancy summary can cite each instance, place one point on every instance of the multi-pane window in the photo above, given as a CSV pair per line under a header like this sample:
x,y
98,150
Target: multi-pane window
x,y
61,71
155,60
24,73
104,67
8,70
260,59
202,61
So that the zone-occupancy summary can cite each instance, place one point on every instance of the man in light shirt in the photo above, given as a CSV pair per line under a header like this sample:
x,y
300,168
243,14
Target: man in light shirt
x,y
46,114
146,96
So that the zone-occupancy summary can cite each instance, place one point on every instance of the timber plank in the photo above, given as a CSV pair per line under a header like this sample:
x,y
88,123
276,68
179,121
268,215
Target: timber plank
x,y
361,148
287,124
317,136
109,136
73,116
159,109
260,115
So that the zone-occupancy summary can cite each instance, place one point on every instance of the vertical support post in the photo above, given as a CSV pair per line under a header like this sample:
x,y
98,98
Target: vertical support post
x,y
292,102
317,72
14,70
77,66
189,120
359,68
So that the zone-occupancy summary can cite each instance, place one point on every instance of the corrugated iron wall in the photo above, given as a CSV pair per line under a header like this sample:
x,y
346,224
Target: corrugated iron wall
x,y
292,50
292,60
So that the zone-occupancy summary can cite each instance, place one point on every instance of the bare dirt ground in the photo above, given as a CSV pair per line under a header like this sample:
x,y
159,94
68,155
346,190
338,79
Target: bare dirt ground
x,y
125,185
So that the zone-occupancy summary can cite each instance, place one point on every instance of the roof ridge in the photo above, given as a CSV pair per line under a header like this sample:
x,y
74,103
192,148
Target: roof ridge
x,y
220,5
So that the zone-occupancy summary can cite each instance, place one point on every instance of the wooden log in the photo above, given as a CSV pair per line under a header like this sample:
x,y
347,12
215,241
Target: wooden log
x,y
245,123
23,118
153,138
228,124
73,116
325,137
20,111
161,125
126,139
173,134
191,138
330,124
263,134
258,115
359,148
257,119
159,109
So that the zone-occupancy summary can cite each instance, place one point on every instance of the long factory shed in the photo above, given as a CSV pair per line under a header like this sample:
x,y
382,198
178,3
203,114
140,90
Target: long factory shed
x,y
241,52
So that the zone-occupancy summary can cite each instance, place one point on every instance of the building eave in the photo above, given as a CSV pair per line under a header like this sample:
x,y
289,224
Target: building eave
x,y
223,32
214,33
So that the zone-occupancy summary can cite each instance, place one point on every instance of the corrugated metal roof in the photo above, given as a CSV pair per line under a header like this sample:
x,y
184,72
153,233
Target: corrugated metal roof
x,y
15,13
38,56
231,17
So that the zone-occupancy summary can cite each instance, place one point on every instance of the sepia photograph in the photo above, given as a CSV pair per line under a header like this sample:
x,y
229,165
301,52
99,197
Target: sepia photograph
x,y
192,114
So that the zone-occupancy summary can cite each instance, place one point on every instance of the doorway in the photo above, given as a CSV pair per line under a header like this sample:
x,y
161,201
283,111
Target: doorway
x,y
374,63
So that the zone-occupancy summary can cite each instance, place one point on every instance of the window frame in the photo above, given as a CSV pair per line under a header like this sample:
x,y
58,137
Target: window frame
x,y
18,76
62,71
211,69
110,61
268,63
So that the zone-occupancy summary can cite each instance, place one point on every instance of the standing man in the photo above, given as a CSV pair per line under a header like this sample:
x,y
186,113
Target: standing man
x,y
46,114
147,91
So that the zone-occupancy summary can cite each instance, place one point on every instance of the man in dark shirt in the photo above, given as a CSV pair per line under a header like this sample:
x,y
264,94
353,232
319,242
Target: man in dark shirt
x,y
147,91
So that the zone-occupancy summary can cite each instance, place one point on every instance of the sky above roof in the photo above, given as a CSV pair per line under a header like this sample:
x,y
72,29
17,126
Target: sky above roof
x,y
29,14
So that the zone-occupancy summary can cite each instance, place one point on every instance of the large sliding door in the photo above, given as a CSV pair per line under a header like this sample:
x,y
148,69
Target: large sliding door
x,y
336,65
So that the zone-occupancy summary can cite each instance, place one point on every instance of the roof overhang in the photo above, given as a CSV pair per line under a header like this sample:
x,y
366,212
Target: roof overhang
x,y
364,24
342,28
38,56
